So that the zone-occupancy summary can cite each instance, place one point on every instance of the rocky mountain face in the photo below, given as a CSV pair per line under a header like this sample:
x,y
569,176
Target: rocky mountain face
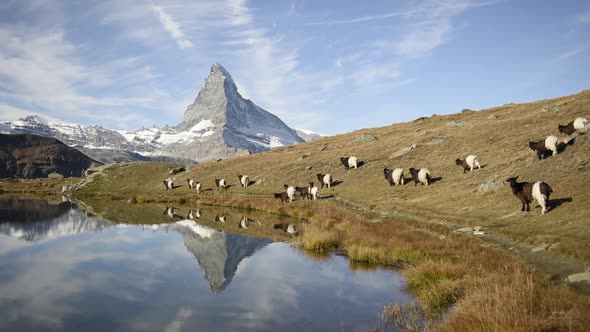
x,y
31,156
219,124
227,124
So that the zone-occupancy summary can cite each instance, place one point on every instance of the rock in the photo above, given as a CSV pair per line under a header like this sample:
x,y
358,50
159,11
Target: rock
x,y
579,277
402,151
541,247
457,123
491,185
308,168
131,201
464,230
571,138
323,147
479,233
551,109
55,175
554,246
442,237
176,170
305,155
582,165
492,117
477,228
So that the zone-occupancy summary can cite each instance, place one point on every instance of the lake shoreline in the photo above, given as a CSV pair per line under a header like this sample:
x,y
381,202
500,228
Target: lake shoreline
x,y
445,269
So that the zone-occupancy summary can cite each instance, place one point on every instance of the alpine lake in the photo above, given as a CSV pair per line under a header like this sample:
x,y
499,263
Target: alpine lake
x,y
68,265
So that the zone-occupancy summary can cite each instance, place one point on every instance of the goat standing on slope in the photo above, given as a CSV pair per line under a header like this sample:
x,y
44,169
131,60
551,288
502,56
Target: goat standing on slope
x,y
220,183
421,175
394,176
543,146
469,163
169,183
314,192
290,190
325,180
191,183
244,180
527,191
349,162
573,126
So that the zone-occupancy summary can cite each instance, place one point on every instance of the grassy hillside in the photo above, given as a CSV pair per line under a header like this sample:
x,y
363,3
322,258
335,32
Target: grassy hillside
x,y
498,136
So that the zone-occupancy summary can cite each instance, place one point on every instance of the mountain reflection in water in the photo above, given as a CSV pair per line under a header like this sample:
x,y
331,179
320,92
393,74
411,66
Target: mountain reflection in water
x,y
67,267
218,253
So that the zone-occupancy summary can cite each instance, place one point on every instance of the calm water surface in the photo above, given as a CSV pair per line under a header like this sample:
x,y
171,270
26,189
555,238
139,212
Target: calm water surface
x,y
64,268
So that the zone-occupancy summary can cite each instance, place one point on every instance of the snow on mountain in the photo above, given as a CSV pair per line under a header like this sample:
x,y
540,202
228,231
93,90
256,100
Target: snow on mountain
x,y
219,124
308,135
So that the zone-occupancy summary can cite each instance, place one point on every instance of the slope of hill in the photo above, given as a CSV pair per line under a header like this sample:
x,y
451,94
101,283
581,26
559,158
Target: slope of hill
x,y
31,156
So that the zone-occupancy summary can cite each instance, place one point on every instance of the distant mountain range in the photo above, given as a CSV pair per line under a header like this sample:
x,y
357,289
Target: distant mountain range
x,y
219,124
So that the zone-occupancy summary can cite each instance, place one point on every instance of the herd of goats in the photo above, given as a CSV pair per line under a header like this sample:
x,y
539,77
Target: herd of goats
x,y
526,192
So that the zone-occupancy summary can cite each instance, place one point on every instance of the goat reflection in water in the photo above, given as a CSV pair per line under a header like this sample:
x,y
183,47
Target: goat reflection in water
x,y
194,214
286,227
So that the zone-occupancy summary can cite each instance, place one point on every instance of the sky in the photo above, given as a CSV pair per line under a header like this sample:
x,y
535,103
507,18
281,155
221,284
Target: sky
x,y
327,66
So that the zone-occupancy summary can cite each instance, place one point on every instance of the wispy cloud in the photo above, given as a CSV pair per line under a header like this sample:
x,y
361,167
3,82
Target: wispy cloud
x,y
172,27
279,85
363,19
571,53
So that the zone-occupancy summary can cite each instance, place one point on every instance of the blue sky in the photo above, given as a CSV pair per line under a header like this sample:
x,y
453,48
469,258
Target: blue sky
x,y
327,66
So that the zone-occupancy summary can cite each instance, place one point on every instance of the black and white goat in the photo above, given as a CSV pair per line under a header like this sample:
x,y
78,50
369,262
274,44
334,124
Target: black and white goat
x,y
191,183
349,162
314,192
169,183
544,146
529,191
421,175
573,126
220,183
290,190
394,176
244,180
325,180
468,163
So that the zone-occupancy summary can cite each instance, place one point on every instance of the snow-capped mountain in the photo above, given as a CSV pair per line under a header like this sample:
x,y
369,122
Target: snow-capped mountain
x,y
222,123
219,124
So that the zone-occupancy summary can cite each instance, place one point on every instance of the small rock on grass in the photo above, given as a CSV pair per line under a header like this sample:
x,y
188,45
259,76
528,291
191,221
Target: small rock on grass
x,y
541,247
464,230
579,277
